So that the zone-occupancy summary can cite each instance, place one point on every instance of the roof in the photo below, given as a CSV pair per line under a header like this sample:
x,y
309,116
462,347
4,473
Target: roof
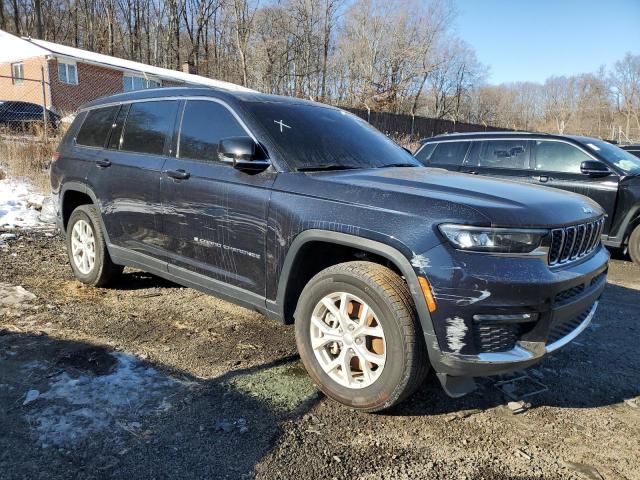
x,y
16,48
505,134
201,91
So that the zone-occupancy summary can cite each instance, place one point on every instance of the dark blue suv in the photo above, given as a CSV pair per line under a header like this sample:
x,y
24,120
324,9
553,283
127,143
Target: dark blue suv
x,y
307,214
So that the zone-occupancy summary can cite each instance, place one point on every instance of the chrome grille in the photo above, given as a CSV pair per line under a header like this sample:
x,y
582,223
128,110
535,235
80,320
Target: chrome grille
x,y
574,242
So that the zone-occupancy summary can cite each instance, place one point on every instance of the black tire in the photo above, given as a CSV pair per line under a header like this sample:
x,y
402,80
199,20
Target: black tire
x,y
634,245
383,290
104,270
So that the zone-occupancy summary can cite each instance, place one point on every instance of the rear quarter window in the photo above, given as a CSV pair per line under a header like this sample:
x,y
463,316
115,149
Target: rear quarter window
x,y
96,127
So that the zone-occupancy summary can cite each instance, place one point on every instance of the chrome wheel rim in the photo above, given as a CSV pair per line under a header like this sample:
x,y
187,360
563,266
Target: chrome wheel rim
x,y
83,247
348,340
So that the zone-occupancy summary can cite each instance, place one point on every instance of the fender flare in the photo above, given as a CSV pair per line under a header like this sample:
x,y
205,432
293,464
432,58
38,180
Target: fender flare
x,y
386,251
83,188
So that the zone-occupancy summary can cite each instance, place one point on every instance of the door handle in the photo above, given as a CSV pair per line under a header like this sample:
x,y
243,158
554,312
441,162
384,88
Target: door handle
x,y
470,172
104,163
542,178
177,174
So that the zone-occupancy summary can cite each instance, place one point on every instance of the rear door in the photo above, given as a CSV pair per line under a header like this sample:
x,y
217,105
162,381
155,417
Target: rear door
x,y
557,164
215,216
449,155
507,159
126,175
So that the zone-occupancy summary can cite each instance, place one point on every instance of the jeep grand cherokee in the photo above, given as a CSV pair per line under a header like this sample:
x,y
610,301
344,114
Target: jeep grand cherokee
x,y
307,214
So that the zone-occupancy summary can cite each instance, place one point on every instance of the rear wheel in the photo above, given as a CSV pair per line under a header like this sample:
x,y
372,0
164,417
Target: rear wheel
x,y
87,250
358,336
634,245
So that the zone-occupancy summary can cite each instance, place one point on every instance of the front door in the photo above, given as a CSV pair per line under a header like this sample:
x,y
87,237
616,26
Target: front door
x,y
557,164
215,217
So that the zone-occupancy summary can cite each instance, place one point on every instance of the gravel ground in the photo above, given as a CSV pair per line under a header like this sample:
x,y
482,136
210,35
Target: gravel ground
x,y
151,380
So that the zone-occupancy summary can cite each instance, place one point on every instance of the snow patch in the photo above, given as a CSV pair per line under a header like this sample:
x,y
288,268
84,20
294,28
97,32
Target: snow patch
x,y
11,296
21,206
456,331
76,407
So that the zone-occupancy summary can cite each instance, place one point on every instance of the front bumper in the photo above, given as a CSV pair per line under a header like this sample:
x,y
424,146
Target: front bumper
x,y
476,330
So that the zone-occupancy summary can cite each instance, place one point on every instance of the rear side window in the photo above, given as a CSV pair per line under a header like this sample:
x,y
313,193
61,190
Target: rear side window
x,y
559,157
148,126
500,154
446,153
204,124
96,127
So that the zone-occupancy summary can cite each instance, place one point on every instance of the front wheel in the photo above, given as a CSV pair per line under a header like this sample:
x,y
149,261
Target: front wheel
x,y
358,336
634,245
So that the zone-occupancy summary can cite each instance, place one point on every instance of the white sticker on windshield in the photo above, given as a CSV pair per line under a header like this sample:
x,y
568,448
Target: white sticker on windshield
x,y
592,146
282,125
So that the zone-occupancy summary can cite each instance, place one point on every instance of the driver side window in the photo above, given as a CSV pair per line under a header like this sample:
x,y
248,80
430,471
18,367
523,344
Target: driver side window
x,y
559,157
204,124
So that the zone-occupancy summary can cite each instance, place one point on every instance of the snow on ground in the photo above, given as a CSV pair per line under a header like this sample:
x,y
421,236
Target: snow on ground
x,y
77,406
22,207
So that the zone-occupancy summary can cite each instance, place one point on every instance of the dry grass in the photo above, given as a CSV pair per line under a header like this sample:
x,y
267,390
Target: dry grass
x,y
406,141
26,157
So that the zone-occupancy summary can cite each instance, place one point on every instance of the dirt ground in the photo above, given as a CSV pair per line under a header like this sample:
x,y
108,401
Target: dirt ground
x,y
151,380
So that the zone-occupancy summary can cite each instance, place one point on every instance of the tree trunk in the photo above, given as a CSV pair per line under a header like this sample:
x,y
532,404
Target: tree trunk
x,y
16,16
38,8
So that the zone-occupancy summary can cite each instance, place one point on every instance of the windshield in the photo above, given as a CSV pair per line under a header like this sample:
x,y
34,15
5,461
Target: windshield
x,y
622,159
313,136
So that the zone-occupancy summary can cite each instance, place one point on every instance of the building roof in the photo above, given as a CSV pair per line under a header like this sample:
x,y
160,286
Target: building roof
x,y
13,48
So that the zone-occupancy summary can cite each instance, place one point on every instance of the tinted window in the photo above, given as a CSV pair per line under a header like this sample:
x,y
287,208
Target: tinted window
x,y
96,127
500,154
118,124
423,155
449,153
624,160
311,135
204,124
559,157
148,125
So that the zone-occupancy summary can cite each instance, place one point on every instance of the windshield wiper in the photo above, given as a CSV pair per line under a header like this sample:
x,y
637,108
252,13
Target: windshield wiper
x,y
390,165
326,167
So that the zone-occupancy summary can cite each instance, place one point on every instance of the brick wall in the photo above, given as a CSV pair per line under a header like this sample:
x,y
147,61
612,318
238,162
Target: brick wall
x,y
93,82
30,90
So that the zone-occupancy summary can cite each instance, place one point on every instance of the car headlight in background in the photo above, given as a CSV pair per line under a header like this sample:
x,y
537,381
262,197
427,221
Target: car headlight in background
x,y
494,240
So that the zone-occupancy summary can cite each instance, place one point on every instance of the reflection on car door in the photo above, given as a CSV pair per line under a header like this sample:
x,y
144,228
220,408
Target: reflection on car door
x,y
557,164
504,159
215,216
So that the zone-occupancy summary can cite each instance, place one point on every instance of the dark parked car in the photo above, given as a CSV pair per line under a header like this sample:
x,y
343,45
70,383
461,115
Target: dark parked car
x,y
15,114
634,149
306,213
591,167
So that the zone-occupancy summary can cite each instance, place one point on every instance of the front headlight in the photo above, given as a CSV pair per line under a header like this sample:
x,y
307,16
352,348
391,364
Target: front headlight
x,y
495,240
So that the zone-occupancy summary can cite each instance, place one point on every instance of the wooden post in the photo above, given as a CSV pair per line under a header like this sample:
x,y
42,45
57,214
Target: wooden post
x,y
44,104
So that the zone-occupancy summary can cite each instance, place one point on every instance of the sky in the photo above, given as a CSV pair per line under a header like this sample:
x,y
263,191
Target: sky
x,y
530,40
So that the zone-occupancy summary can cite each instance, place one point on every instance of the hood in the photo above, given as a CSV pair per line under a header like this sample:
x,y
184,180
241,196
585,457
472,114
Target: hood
x,y
502,203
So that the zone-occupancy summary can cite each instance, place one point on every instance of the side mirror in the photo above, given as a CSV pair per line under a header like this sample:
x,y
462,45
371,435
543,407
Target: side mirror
x,y
594,168
242,153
